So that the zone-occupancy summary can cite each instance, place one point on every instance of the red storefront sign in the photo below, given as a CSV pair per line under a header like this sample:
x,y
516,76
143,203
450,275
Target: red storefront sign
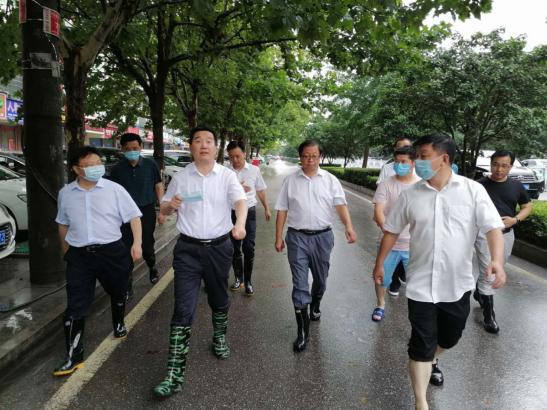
x,y
3,106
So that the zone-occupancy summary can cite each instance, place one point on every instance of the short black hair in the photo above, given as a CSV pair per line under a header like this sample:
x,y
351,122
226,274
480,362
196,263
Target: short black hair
x,y
503,153
195,130
440,143
410,151
309,143
80,153
401,139
235,144
130,136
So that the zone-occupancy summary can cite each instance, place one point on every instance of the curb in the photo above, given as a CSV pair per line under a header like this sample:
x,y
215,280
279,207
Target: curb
x,y
531,253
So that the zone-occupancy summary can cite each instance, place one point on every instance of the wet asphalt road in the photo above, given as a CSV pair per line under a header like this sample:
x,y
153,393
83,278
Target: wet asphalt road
x,y
351,362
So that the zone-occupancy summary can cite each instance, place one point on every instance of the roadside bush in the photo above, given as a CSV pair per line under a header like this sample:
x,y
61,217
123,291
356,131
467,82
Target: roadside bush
x,y
534,229
360,176
337,172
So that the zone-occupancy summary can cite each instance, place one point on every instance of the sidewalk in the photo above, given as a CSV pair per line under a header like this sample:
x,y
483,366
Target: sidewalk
x,y
24,325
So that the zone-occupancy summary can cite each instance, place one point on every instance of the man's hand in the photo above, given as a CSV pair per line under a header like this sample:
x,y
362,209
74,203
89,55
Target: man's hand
x,y
161,218
136,251
175,202
378,275
509,221
267,214
351,236
245,187
279,245
499,272
238,233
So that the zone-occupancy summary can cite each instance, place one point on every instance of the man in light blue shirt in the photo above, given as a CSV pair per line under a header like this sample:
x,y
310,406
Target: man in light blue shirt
x,y
90,212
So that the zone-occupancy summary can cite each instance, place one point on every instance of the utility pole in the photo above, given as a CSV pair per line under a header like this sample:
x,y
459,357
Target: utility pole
x,y
42,134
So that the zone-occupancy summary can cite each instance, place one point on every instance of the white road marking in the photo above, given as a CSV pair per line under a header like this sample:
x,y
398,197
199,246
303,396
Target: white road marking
x,y
527,273
75,383
358,196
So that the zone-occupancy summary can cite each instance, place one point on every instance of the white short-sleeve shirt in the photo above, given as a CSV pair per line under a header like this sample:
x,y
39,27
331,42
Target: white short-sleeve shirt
x,y
251,177
310,202
443,229
94,216
207,200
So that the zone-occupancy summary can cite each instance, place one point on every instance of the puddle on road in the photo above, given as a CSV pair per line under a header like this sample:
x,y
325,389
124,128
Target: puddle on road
x,y
11,324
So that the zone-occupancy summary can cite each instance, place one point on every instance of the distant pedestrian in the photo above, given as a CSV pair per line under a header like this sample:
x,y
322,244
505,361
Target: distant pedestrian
x,y
90,212
307,202
506,195
445,212
253,184
386,172
203,195
141,178
384,200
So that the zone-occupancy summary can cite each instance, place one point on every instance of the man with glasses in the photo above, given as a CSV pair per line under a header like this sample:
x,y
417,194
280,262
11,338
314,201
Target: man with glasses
x,y
307,202
505,194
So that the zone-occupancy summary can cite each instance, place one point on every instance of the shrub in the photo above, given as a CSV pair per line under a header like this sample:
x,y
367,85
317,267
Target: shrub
x,y
337,172
534,229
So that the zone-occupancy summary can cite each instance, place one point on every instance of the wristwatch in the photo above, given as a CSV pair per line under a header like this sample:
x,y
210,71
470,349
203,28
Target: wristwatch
x,y
518,220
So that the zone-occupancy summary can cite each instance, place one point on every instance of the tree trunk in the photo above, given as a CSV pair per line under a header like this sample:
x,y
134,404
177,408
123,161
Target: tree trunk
x,y
366,152
75,78
221,143
43,145
157,107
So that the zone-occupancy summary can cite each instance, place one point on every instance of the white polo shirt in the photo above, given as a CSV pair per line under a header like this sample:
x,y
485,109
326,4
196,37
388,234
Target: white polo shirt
x,y
205,212
310,202
94,216
443,229
251,177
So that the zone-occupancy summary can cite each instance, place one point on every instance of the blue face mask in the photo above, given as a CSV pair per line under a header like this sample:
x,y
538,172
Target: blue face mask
x,y
455,168
93,173
401,169
424,169
132,155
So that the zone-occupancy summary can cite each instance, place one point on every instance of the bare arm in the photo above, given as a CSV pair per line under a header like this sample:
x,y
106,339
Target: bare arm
x,y
159,191
262,197
343,214
136,229
238,232
280,220
387,243
495,246
379,216
63,230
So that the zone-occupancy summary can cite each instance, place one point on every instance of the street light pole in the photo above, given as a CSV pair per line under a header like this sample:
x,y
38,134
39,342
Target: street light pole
x,y
42,135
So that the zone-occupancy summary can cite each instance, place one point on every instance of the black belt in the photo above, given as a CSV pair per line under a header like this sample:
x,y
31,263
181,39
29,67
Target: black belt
x,y
310,231
97,246
506,230
204,242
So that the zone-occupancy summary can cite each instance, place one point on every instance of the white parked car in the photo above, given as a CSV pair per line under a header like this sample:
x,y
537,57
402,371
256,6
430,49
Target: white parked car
x,y
13,195
538,165
7,233
171,167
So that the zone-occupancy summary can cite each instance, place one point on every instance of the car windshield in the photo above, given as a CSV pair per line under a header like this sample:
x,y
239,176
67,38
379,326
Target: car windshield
x,y
6,174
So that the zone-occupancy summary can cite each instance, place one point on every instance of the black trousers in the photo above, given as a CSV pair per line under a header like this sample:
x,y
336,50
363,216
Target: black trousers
x,y
109,264
148,222
192,263
244,250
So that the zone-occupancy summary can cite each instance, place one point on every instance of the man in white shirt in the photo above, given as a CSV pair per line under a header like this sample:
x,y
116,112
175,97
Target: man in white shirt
x,y
445,212
308,201
203,195
90,212
253,184
384,200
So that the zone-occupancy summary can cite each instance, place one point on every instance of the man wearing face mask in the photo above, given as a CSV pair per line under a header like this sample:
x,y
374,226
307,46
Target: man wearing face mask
x,y
141,178
445,212
384,199
90,212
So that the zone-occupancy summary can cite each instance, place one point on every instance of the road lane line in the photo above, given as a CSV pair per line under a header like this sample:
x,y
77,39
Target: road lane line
x,y
358,196
75,383
527,273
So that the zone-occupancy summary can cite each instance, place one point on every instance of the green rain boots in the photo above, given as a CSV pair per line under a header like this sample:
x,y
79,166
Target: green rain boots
x,y
176,364
220,325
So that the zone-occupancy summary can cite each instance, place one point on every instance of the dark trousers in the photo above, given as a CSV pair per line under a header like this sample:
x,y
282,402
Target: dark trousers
x,y
308,253
244,250
148,222
109,264
192,263
398,275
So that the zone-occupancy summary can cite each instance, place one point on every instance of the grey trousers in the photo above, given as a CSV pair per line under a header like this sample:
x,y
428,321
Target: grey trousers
x,y
308,253
483,258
